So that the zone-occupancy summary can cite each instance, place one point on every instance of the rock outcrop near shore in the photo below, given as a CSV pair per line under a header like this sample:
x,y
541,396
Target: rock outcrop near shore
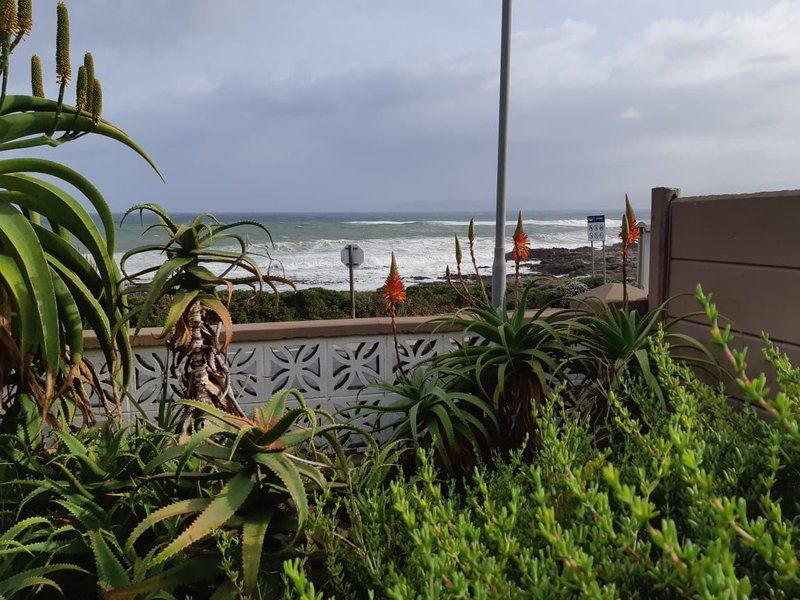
x,y
577,262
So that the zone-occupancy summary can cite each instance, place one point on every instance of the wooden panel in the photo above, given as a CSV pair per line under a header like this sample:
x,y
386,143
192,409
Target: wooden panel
x,y
661,199
755,299
755,360
761,229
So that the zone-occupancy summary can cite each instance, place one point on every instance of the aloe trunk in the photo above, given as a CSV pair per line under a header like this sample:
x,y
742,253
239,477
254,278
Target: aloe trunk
x,y
517,419
201,363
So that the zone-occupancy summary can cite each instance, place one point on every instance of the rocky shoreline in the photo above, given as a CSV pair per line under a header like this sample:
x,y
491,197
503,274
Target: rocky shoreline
x,y
577,262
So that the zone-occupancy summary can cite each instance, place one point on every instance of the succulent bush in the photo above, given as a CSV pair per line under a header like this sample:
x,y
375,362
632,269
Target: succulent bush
x,y
131,512
691,498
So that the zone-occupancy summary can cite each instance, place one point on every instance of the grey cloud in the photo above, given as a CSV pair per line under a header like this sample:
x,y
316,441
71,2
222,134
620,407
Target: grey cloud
x,y
358,105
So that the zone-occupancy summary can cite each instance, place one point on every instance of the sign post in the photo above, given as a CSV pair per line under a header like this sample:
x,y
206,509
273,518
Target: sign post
x,y
596,228
352,258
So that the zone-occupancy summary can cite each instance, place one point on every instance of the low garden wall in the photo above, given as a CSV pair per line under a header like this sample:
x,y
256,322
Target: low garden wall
x,y
333,363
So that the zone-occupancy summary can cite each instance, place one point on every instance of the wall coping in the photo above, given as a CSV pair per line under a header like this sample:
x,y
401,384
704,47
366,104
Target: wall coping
x,y
286,330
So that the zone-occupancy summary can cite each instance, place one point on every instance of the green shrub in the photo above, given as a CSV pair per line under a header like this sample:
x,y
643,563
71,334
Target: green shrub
x,y
691,499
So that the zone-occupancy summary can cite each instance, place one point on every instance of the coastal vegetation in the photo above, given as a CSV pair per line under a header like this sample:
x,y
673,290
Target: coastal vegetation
x,y
584,451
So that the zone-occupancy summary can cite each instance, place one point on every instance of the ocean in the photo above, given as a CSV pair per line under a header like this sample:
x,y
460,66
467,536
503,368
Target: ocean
x,y
306,247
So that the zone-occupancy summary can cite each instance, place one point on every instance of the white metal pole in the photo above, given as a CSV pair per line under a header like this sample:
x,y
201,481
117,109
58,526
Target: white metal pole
x,y
499,266
592,245
352,281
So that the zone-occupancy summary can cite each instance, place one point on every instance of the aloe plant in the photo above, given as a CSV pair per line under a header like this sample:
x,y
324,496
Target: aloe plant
x,y
49,290
21,547
266,479
198,328
456,425
510,360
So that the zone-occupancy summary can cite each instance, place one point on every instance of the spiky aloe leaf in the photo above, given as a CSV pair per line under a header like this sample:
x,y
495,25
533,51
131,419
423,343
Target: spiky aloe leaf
x,y
90,309
59,207
254,530
216,514
156,209
17,126
191,571
83,185
109,569
180,304
176,509
34,578
13,531
70,316
19,241
24,305
286,471
158,285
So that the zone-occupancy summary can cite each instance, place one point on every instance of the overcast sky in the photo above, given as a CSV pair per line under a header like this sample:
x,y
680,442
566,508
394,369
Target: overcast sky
x,y
320,105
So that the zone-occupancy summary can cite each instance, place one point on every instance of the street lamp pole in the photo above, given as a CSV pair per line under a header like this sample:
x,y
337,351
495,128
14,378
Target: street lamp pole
x,y
499,266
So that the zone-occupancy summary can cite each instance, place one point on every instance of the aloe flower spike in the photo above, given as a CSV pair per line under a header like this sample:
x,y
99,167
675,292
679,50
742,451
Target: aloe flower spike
x,y
88,63
37,82
81,91
63,67
97,101
24,18
8,20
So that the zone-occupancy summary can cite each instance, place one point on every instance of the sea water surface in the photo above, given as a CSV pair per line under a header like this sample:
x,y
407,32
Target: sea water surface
x,y
306,247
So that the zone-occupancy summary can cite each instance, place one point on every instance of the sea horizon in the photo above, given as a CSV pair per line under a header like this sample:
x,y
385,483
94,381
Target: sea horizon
x,y
306,247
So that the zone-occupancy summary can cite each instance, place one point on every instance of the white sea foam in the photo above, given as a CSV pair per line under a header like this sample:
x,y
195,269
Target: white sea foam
x,y
380,222
307,249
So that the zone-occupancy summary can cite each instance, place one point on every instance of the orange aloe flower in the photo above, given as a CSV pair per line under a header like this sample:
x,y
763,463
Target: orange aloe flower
x,y
633,224
521,250
394,290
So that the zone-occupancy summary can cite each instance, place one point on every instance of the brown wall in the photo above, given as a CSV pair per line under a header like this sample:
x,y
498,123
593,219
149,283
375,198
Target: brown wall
x,y
743,248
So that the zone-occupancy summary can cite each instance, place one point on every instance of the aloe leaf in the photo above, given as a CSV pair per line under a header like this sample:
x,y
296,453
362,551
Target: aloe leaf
x,y
180,304
254,530
156,209
81,183
23,302
19,240
71,319
34,577
283,468
176,509
191,571
158,283
59,207
80,451
216,514
20,125
89,307
109,570
68,255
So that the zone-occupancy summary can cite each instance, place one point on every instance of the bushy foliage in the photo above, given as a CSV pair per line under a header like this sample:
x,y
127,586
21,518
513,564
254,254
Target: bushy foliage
x,y
691,499
129,512
317,303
